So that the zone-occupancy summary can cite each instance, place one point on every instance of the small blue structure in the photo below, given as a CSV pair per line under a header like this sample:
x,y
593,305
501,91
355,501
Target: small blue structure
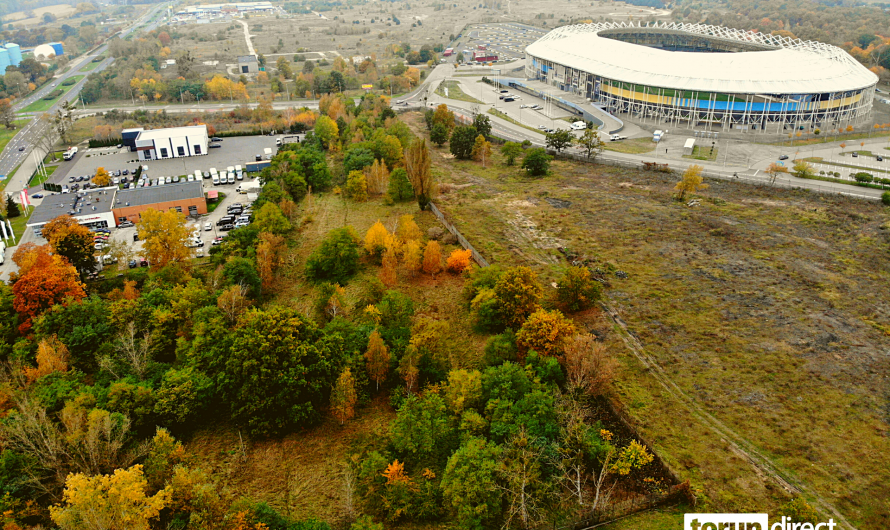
x,y
4,60
57,46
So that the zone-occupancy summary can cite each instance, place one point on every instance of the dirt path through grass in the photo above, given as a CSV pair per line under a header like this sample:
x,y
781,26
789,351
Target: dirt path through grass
x,y
738,444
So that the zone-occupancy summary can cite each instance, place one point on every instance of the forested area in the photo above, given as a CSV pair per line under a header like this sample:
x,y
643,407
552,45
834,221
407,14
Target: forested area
x,y
105,383
861,30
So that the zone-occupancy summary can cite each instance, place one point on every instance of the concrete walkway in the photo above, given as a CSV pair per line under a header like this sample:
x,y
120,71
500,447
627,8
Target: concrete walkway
x,y
250,47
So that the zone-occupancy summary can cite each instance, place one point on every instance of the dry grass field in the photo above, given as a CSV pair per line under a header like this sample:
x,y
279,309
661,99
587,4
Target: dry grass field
x,y
768,309
20,18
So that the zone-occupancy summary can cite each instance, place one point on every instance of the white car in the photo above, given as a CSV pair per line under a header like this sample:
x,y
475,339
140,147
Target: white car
x,y
200,253
208,226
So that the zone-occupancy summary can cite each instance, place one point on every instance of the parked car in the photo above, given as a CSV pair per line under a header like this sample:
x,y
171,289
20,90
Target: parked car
x,y
132,264
226,227
37,196
855,154
199,253
216,139
125,224
215,146
126,172
217,241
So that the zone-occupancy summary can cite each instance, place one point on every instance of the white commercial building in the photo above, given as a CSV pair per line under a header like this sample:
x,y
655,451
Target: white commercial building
x,y
176,142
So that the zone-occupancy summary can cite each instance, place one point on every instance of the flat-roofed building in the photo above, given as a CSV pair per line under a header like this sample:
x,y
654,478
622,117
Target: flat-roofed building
x,y
174,142
184,197
92,209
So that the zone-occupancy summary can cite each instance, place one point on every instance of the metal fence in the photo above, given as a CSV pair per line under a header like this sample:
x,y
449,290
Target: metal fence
x,y
460,238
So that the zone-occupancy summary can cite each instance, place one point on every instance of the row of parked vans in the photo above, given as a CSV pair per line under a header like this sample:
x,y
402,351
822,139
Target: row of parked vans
x,y
228,176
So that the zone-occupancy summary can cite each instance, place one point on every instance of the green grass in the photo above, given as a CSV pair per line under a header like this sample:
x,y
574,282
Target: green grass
x,y
6,134
18,223
37,179
455,92
43,105
634,146
703,153
211,206
90,66
501,115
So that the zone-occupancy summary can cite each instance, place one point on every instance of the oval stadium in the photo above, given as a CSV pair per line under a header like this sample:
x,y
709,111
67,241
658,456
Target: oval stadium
x,y
702,76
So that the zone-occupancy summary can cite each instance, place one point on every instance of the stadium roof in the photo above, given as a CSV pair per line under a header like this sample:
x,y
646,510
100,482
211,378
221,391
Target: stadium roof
x,y
786,66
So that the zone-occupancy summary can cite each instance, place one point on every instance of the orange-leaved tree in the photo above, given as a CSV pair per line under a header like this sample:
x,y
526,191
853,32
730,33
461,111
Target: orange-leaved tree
x,y
44,281
377,357
459,260
432,258
72,240
52,356
269,256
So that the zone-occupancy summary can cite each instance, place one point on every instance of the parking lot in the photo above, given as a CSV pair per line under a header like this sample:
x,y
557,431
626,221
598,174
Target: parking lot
x,y
206,236
507,40
233,151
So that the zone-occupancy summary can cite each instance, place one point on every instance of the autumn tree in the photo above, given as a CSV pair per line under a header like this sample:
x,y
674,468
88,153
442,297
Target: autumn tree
x,y
589,368
102,177
377,358
71,240
7,114
377,177
545,332
356,186
165,237
459,260
443,116
432,258
269,256
773,171
52,356
375,239
44,280
412,256
114,501
481,149
518,294
233,301
690,182
343,397
388,268
577,290
224,88
802,169
418,167
408,229
526,487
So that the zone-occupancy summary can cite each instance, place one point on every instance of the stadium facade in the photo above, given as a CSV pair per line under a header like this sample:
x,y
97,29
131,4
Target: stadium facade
x,y
705,77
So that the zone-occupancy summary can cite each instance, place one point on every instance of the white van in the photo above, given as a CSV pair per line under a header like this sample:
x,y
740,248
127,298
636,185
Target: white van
x,y
579,126
231,170
198,174
231,178
69,154
239,172
215,178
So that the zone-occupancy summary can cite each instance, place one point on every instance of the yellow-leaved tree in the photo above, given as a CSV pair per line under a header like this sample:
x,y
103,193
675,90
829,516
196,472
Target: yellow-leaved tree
x,y
690,182
545,332
408,229
114,501
432,258
52,356
343,397
412,256
165,237
377,357
375,239
102,178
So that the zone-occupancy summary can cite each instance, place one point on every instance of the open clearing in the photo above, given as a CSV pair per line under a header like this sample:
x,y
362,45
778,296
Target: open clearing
x,y
767,308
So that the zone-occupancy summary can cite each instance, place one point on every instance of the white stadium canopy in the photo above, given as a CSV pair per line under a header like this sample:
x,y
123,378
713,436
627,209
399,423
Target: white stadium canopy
x,y
784,66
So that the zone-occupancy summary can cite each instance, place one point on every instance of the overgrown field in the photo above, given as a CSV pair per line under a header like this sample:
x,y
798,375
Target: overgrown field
x,y
768,308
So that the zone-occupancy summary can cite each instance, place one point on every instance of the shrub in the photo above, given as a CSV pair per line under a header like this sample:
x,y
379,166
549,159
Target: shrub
x,y
885,198
501,348
545,332
336,259
577,290
518,293
357,186
458,261
536,162
486,307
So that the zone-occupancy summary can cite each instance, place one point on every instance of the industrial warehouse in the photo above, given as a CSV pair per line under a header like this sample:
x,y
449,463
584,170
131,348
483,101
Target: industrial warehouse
x,y
702,76
107,207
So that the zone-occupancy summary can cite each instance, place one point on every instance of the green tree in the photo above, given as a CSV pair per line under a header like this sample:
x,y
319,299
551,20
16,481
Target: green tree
x,y
559,139
277,371
284,68
12,208
511,151
462,140
470,484
270,219
591,143
422,430
182,395
242,271
439,134
399,186
336,259
482,124
536,162
885,198
326,131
